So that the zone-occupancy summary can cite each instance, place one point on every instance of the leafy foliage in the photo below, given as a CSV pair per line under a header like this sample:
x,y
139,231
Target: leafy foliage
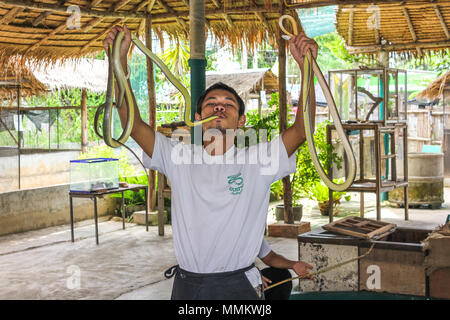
x,y
103,151
132,198
319,192
306,174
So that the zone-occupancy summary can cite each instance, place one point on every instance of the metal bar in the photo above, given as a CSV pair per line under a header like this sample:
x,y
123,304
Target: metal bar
x,y
146,207
330,175
71,218
405,170
18,131
122,211
49,128
96,219
378,171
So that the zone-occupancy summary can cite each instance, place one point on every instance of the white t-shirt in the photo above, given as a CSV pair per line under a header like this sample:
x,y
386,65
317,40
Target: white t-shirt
x,y
219,203
264,250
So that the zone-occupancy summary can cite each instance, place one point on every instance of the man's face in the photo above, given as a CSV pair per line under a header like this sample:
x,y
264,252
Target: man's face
x,y
224,105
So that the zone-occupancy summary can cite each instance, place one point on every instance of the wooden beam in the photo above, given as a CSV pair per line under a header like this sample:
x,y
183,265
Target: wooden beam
x,y
350,27
60,28
228,20
411,29
45,14
143,4
151,105
101,34
398,47
40,18
394,5
120,4
95,3
10,15
169,10
91,24
63,9
410,26
216,3
441,19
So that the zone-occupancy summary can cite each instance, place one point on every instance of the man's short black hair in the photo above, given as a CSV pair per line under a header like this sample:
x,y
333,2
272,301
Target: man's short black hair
x,y
221,86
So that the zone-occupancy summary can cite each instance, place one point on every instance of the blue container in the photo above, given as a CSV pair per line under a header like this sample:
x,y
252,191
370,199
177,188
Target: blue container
x,y
90,175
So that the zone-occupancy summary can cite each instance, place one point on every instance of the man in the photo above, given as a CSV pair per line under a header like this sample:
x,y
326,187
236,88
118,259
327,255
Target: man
x,y
219,205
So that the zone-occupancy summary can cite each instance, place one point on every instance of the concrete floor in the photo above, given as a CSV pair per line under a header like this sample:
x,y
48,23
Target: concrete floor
x,y
129,264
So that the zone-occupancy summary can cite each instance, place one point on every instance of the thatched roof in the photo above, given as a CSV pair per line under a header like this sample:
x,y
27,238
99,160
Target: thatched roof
x,y
12,78
83,73
245,82
410,27
435,89
44,30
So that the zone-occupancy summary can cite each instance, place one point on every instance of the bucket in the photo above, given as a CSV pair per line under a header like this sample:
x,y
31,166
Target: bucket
x,y
425,181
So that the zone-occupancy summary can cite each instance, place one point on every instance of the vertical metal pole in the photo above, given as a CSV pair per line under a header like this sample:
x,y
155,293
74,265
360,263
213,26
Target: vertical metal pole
x,y
49,128
19,136
197,60
96,219
378,172
122,210
57,128
405,169
146,208
330,176
71,218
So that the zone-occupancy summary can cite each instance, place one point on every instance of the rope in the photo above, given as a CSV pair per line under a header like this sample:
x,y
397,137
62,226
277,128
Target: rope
x,y
322,270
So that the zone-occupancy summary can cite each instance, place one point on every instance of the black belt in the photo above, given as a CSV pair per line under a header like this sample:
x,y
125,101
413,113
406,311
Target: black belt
x,y
169,273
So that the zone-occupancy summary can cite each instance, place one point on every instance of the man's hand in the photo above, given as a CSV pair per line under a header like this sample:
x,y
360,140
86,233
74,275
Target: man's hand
x,y
299,46
301,269
266,281
125,46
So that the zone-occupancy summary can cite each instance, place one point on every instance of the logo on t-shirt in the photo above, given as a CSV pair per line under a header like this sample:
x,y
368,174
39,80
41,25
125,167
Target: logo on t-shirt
x,y
236,183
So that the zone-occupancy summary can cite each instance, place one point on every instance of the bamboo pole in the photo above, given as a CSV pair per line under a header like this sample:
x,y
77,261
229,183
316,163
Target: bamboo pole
x,y
287,194
151,104
396,47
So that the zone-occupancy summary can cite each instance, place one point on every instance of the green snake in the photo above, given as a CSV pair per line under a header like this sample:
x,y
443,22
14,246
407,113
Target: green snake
x,y
117,74
311,68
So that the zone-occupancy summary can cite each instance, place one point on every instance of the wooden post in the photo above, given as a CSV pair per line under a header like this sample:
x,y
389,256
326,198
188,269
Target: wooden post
x,y
84,133
287,195
151,107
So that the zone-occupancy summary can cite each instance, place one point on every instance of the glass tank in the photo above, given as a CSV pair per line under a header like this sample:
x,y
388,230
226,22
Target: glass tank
x,y
95,174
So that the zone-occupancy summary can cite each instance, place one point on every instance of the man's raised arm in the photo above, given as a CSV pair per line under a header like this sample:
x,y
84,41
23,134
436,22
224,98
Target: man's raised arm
x,y
142,133
295,135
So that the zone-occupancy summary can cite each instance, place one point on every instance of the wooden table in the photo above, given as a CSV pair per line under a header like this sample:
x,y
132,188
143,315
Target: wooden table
x,y
95,195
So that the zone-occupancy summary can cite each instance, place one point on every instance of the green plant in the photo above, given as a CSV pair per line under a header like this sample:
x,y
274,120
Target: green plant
x,y
103,151
276,189
319,192
306,174
132,198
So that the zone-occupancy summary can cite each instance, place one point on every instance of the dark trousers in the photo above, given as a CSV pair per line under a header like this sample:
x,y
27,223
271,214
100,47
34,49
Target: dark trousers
x,y
232,285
